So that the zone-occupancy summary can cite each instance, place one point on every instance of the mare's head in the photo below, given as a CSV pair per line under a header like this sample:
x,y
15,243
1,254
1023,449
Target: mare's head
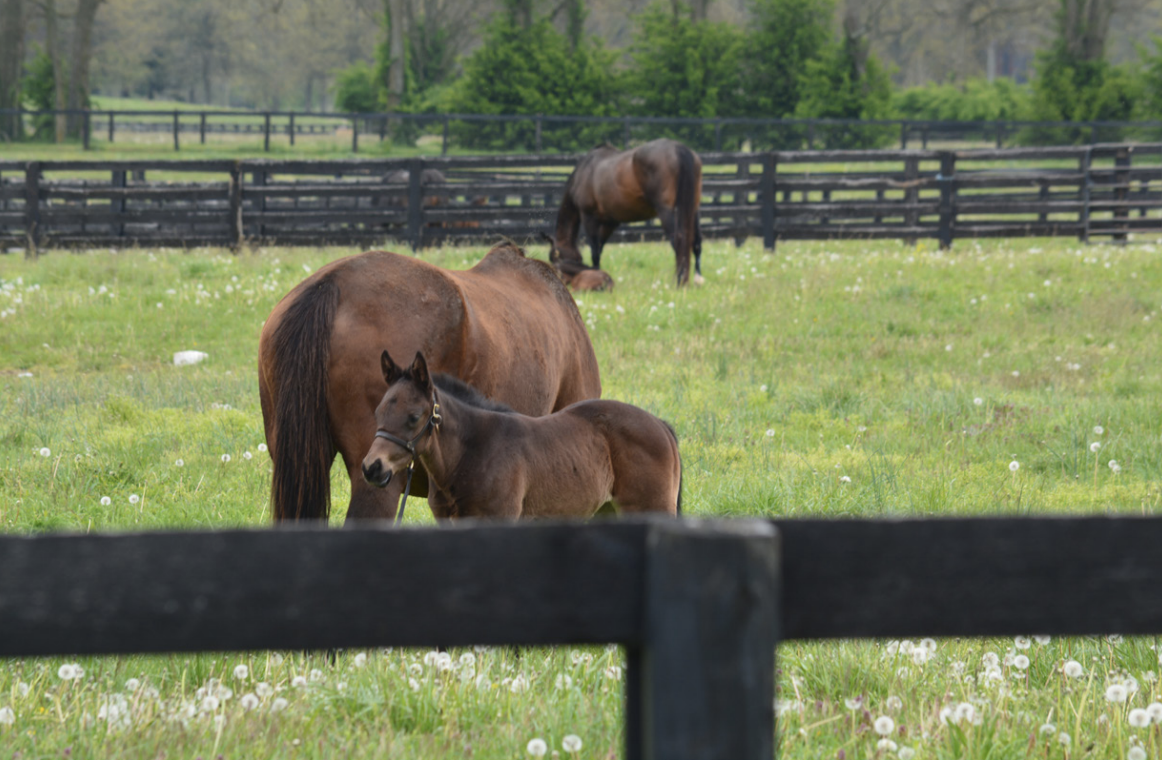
x,y
576,273
405,420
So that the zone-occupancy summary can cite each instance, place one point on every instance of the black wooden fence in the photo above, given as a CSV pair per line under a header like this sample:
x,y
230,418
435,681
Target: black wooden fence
x,y
698,605
1108,190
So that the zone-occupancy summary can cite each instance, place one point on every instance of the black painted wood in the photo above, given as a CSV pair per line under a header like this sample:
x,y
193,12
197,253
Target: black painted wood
x,y
971,577
706,684
306,589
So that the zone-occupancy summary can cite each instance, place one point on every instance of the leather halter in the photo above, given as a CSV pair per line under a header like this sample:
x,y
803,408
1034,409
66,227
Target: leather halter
x,y
432,424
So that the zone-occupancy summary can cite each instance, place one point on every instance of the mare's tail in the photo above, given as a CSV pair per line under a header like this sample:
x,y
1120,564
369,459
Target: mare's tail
x,y
686,209
681,469
302,449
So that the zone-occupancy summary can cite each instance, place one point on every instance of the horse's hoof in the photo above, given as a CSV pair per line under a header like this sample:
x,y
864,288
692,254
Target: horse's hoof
x,y
699,279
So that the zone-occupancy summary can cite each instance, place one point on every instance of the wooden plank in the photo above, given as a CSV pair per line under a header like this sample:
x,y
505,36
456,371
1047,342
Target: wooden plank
x,y
971,577
315,588
193,165
216,191
110,215
309,217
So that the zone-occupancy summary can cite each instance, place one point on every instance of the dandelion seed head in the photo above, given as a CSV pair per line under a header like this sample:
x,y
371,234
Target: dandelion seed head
x,y
241,672
1098,430
278,705
1073,669
571,743
1093,447
298,682
537,747
225,458
106,501
1116,693
1021,662
7,716
884,725
1138,718
1014,465
360,660
134,498
906,753
262,447
1136,753
978,401
1021,642
249,701
45,452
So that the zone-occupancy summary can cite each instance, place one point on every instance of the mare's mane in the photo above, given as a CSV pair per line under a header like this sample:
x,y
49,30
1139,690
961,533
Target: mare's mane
x,y
465,393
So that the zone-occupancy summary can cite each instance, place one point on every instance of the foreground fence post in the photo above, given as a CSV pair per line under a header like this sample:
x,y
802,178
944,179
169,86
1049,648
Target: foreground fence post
x,y
702,685
176,143
235,220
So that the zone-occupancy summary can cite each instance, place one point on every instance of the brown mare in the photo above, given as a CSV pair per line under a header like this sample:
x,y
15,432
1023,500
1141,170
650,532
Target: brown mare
x,y
577,275
507,325
484,460
662,178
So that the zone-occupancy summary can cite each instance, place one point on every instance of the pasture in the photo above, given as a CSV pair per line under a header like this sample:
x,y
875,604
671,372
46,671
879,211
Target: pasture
x,y
829,379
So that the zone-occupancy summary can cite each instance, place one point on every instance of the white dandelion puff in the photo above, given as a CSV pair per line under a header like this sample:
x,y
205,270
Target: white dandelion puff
x,y
106,501
1093,447
179,463
134,498
1042,639
1138,718
571,743
45,452
844,479
1014,465
1021,642
262,447
906,753
564,682
1073,669
278,705
225,458
1136,753
7,716
770,433
537,747
241,672
249,701
1021,662
884,725
1098,430
263,689
978,401
247,455
360,660
298,682
1116,693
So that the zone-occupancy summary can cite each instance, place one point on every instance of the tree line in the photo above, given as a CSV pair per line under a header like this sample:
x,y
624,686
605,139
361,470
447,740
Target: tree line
x,y
855,59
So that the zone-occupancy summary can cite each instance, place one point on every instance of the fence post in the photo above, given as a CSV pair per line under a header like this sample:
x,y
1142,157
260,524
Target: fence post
x,y
444,146
202,128
266,132
176,142
32,229
538,139
290,128
702,686
903,135
87,128
1122,160
911,195
118,179
110,126
416,203
767,199
1085,162
947,198
355,135
235,221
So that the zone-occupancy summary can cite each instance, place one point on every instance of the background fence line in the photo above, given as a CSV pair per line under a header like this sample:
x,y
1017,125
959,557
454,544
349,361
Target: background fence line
x,y
1100,191
707,133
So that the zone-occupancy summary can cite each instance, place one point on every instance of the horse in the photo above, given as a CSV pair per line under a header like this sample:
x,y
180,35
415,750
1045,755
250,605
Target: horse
x,y
577,275
662,178
507,325
484,460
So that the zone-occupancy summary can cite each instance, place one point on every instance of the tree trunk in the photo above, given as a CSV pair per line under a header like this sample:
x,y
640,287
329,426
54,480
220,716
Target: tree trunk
x,y
1084,27
11,59
82,54
53,45
396,53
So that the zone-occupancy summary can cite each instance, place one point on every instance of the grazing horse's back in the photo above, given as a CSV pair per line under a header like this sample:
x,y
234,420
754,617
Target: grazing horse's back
x,y
508,326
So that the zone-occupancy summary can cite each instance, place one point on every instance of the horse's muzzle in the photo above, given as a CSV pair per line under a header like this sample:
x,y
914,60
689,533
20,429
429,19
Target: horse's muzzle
x,y
376,474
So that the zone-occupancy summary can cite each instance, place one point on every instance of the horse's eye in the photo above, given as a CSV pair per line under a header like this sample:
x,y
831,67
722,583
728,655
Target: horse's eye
x,y
413,419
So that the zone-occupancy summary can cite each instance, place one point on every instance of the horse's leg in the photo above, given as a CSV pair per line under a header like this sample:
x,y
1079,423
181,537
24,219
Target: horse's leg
x,y
593,235
697,247
681,246
597,243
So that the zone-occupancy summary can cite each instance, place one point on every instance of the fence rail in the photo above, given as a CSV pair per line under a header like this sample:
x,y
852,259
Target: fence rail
x,y
700,606
541,132
1107,190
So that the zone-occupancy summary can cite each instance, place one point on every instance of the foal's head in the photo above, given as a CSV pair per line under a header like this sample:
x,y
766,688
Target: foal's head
x,y
574,272
405,419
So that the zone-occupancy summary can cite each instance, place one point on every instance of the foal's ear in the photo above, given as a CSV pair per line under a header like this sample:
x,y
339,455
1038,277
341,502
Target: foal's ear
x,y
419,372
391,370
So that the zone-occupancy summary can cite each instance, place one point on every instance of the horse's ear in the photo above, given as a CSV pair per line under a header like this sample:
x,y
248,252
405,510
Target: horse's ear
x,y
419,372
391,370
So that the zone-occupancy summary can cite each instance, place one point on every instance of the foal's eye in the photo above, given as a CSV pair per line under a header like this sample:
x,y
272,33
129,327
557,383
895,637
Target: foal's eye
x,y
413,419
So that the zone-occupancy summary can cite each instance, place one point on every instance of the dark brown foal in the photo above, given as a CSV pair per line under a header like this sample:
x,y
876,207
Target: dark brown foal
x,y
484,460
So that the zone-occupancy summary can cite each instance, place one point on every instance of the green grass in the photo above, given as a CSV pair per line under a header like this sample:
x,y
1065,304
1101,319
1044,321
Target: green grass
x,y
825,380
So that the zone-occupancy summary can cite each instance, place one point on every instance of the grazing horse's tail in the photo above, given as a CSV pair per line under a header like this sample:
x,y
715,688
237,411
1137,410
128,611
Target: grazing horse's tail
x,y
302,449
686,208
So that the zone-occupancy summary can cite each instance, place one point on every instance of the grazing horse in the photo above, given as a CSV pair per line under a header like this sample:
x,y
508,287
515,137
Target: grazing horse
x,y
487,461
577,274
662,178
507,325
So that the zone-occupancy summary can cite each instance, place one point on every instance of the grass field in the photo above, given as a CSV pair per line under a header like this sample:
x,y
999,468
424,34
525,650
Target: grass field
x,y
827,379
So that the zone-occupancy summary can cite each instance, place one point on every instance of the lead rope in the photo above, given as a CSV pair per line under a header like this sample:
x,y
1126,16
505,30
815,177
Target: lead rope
x,y
406,490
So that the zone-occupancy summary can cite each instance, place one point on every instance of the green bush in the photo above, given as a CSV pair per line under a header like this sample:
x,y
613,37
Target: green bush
x,y
975,99
38,88
534,71
680,68
835,86
1074,90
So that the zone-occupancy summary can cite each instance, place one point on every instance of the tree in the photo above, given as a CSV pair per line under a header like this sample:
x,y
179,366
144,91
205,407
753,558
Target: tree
x,y
12,22
682,67
533,71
